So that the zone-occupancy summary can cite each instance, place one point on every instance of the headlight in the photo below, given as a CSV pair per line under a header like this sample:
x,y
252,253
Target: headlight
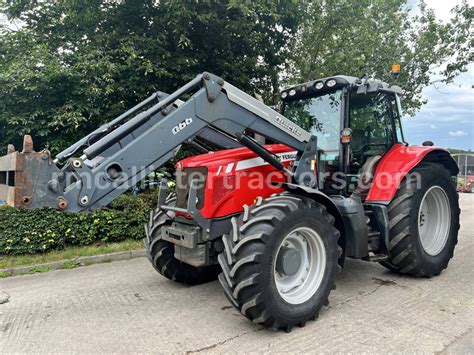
x,y
330,83
284,94
319,85
292,92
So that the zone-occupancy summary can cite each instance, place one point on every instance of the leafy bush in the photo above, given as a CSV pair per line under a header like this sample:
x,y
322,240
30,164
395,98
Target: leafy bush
x,y
40,230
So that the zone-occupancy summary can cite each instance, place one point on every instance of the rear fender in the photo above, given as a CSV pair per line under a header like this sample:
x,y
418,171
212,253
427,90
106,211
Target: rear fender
x,y
331,207
398,162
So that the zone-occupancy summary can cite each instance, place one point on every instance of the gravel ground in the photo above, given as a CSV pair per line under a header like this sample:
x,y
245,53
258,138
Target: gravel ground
x,y
126,306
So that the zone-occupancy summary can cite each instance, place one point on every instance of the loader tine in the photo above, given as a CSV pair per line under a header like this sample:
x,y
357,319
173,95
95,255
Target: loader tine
x,y
27,144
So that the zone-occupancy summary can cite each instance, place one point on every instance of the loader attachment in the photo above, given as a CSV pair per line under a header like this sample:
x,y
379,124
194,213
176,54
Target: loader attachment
x,y
24,176
98,168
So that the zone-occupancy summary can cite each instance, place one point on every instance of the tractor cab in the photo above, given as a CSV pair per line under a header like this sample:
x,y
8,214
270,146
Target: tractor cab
x,y
356,121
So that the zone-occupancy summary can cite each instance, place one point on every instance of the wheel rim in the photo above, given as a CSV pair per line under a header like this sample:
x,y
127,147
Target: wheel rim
x,y
302,285
434,220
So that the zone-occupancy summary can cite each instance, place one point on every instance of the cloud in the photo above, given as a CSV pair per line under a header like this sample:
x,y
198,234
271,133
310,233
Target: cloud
x,y
457,133
450,110
448,117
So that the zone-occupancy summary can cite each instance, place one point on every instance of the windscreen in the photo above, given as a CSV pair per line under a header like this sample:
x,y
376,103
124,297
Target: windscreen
x,y
320,116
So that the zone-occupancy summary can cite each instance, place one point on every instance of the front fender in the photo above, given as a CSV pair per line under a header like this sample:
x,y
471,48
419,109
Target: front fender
x,y
398,162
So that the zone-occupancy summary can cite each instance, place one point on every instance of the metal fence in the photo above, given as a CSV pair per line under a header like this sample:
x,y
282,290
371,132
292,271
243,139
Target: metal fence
x,y
466,171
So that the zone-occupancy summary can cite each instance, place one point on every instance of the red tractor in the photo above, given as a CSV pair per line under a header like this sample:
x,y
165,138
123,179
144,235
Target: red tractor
x,y
277,200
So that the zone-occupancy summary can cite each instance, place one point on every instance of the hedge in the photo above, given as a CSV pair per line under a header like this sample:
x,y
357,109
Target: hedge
x,y
41,230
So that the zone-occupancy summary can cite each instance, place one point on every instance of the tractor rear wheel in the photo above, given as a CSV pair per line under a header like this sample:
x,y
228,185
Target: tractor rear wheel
x,y
161,253
280,261
424,222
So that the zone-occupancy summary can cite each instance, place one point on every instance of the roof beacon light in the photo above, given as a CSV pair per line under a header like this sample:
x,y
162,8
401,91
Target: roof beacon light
x,y
396,69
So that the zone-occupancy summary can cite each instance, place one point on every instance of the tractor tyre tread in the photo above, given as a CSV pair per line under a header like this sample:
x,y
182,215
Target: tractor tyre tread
x,y
244,251
161,253
406,254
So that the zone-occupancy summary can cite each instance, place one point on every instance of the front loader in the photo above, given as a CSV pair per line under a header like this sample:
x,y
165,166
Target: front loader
x,y
275,202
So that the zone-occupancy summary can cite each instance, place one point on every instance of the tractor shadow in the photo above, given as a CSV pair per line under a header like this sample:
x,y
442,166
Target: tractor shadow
x,y
357,279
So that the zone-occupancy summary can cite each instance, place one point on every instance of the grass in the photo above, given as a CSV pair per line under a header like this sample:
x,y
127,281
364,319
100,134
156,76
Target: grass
x,y
68,254
69,264
42,268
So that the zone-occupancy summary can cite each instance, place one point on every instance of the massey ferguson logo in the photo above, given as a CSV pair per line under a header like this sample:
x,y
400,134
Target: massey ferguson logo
x,y
178,128
286,156
288,126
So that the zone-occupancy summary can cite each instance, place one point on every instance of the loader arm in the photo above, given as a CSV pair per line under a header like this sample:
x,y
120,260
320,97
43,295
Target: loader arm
x,y
117,155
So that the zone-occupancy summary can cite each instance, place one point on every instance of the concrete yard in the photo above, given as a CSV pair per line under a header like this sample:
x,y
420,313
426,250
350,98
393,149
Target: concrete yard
x,y
127,306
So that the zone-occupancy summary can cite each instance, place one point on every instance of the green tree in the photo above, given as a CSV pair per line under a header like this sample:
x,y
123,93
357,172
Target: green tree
x,y
366,37
75,64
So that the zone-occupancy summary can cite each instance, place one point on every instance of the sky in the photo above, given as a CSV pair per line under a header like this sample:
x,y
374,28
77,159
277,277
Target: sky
x,y
448,117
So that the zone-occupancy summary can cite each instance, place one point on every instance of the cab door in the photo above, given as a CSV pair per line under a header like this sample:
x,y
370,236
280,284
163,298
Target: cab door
x,y
371,118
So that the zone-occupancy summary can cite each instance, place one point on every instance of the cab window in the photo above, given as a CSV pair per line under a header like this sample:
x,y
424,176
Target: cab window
x,y
397,119
370,118
321,116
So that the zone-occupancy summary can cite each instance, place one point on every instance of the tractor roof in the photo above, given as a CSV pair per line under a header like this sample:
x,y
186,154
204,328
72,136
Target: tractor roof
x,y
314,87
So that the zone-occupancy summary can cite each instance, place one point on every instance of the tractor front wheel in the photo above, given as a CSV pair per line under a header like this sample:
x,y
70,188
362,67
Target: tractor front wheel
x,y
280,261
424,222
161,253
